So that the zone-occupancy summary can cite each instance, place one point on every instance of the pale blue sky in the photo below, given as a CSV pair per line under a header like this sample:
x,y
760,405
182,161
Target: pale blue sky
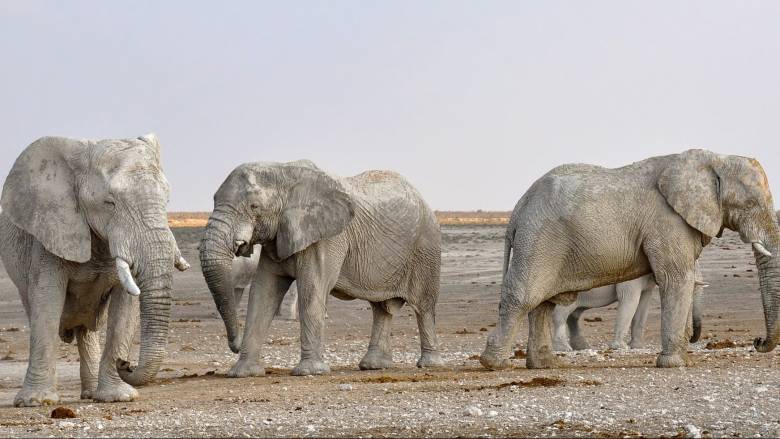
x,y
471,101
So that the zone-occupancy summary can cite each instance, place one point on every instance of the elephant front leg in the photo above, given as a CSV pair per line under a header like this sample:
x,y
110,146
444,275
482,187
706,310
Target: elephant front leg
x,y
627,307
577,336
639,320
311,309
121,325
560,332
45,300
379,355
540,353
89,360
265,296
676,298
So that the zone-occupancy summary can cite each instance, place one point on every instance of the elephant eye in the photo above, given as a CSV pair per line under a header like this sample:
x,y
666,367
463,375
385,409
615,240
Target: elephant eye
x,y
110,202
253,206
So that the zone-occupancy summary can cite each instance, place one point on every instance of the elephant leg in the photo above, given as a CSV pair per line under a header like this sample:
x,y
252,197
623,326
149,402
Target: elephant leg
x,y
121,326
380,355
238,293
628,301
290,311
560,332
640,317
676,298
429,352
540,353
576,336
47,286
89,360
265,295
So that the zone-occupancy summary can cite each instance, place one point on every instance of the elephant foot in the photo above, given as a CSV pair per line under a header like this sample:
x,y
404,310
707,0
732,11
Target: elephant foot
x,y
311,367
243,369
542,360
88,393
430,359
634,344
374,360
34,397
115,393
561,346
490,360
673,360
578,343
618,345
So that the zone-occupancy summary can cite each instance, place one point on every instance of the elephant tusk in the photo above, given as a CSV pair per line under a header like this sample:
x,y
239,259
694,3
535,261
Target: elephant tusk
x,y
182,264
761,249
699,283
126,278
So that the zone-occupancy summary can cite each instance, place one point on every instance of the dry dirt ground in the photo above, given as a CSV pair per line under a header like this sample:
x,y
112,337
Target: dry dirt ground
x,y
729,392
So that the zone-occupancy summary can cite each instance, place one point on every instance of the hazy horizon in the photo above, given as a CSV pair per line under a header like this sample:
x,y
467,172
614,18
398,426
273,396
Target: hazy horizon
x,y
471,101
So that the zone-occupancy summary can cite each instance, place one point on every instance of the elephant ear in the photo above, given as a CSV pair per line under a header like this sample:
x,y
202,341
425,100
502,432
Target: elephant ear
x,y
317,208
39,196
692,187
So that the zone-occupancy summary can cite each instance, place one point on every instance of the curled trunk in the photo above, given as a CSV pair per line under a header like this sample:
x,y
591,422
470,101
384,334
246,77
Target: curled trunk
x,y
216,260
153,271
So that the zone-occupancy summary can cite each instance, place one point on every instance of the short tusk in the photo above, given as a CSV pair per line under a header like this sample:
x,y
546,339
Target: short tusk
x,y
761,249
239,243
182,264
699,283
126,278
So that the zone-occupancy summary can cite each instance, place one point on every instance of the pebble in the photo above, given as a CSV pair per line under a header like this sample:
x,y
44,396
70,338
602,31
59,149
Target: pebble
x,y
345,387
473,411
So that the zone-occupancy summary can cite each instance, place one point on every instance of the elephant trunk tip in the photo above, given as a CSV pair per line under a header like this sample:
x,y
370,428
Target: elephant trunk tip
x,y
764,344
132,375
235,344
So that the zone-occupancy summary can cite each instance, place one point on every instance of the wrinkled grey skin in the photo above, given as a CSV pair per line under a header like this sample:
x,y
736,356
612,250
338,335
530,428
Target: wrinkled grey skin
x,y
242,273
71,210
634,298
581,227
368,237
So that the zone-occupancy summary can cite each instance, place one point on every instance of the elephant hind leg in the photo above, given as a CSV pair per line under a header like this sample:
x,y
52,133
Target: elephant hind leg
x,y
577,338
380,355
89,360
540,353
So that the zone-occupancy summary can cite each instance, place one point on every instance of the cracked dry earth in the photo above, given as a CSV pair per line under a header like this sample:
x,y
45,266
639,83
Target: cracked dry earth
x,y
731,391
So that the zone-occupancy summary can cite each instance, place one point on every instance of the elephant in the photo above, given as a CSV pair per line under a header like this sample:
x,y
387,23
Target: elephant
x,y
243,271
370,237
582,226
87,244
633,297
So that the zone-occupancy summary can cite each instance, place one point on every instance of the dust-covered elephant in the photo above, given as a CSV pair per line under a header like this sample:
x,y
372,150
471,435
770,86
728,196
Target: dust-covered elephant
x,y
582,226
368,237
242,273
84,232
634,298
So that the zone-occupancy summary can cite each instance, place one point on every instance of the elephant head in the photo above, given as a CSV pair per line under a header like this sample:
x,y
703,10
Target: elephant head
x,y
79,196
286,207
711,192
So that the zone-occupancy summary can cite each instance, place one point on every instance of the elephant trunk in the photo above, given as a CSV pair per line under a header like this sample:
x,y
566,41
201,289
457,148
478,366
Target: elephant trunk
x,y
216,260
696,316
154,273
769,278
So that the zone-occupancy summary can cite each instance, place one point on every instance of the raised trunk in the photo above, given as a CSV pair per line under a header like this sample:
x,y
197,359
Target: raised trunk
x,y
216,259
769,277
153,271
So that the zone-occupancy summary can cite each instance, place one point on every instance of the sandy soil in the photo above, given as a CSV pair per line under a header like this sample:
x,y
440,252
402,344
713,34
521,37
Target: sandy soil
x,y
729,392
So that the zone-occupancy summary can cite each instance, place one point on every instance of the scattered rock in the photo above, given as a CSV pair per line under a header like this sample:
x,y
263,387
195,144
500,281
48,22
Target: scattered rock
x,y
473,411
594,319
519,354
63,413
720,344
345,387
693,431
9,329
464,331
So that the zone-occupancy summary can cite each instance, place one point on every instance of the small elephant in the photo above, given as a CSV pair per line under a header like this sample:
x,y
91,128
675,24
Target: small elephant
x,y
583,226
369,237
634,299
84,231
243,272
